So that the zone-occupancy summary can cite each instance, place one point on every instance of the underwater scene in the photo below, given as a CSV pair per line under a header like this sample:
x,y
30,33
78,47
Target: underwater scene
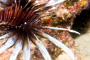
x,y
44,30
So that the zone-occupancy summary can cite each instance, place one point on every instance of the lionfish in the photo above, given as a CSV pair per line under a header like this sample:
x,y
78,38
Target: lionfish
x,y
20,19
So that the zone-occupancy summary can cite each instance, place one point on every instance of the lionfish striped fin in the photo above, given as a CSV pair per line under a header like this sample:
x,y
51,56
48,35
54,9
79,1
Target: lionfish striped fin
x,y
40,46
73,31
26,51
8,43
59,44
4,36
18,47
15,15
53,2
42,49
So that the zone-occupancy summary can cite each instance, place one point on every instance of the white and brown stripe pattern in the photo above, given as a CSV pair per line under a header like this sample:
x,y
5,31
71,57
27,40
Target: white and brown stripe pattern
x,y
19,19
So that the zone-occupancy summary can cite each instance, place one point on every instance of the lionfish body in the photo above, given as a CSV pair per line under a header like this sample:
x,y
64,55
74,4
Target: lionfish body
x,y
20,19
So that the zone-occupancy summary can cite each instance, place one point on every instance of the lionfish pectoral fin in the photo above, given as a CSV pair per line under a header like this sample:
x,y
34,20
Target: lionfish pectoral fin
x,y
53,2
39,6
18,47
8,44
4,36
73,31
59,44
26,51
42,49
40,46
48,5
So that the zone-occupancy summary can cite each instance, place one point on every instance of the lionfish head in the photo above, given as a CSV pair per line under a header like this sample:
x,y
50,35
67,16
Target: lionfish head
x,y
20,19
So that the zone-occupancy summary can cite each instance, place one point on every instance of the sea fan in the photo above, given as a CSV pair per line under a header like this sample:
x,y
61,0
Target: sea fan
x,y
20,19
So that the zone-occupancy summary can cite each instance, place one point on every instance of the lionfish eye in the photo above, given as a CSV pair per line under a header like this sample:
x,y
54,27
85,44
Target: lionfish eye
x,y
20,19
